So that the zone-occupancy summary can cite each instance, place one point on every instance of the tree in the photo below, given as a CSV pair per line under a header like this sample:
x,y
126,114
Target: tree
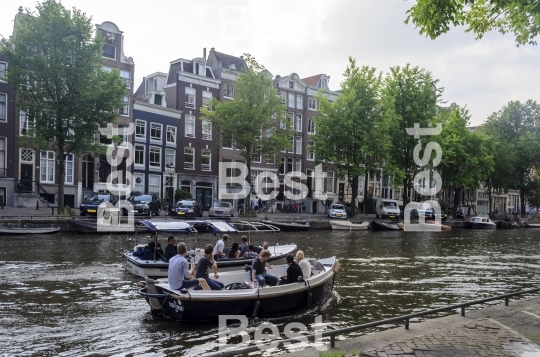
x,y
351,131
55,63
517,125
409,97
256,120
466,158
521,17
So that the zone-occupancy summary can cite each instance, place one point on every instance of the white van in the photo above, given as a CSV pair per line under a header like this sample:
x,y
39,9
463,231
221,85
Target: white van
x,y
387,208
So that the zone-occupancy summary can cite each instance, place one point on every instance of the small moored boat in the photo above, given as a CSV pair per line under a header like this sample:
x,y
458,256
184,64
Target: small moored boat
x,y
348,225
480,223
28,230
289,226
200,305
507,225
432,226
384,226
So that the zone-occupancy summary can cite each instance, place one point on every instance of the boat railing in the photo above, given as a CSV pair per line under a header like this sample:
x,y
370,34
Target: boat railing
x,y
403,318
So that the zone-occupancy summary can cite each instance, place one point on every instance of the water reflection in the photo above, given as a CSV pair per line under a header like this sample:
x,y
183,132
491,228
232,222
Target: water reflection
x,y
67,294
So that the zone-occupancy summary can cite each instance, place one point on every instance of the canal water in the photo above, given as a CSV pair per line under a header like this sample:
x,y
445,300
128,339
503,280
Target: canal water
x,y
68,295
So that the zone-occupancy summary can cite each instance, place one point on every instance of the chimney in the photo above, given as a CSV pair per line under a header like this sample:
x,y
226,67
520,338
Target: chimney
x,y
204,53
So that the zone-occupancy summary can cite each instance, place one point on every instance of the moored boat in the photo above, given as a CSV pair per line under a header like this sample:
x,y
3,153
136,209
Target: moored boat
x,y
348,225
384,226
109,221
289,226
480,223
532,225
200,305
28,230
138,262
507,225
432,226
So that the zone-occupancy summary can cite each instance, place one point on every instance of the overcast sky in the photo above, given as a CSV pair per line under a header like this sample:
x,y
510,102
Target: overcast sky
x,y
313,37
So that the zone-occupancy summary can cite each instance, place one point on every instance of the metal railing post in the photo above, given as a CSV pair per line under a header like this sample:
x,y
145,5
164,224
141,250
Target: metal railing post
x,y
406,324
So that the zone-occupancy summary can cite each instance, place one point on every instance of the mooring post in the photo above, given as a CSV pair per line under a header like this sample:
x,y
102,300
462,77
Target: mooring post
x,y
463,311
37,205
506,301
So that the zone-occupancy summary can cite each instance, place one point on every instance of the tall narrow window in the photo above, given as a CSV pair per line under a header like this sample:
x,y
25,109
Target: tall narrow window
x,y
190,126
299,102
124,110
155,157
310,154
46,166
154,184
312,104
170,158
140,129
126,77
155,131
298,145
291,100
189,158
123,133
139,155
228,90
3,169
206,98
329,182
298,123
26,123
158,99
206,130
190,97
206,156
69,168
311,126
3,107
3,66
139,182
171,134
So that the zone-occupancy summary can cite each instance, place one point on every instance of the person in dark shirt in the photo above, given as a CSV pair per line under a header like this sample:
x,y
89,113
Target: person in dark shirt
x,y
293,272
153,243
233,251
258,270
244,246
170,250
202,268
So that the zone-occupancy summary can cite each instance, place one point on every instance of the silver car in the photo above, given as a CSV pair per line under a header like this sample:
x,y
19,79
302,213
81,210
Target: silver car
x,y
221,209
337,211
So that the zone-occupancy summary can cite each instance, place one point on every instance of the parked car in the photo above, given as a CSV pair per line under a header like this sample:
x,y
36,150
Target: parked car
x,y
91,203
337,211
387,208
430,214
144,204
187,208
221,209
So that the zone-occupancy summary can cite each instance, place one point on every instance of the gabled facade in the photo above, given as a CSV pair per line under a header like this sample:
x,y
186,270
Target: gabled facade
x,y
191,84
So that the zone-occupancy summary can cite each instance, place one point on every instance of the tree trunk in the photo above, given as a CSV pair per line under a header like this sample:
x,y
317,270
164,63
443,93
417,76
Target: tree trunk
x,y
405,192
457,192
61,177
522,202
354,194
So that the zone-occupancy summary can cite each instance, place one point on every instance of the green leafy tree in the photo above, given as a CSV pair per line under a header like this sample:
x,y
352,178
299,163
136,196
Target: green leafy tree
x,y
256,120
409,97
520,17
517,125
181,195
55,63
466,157
352,130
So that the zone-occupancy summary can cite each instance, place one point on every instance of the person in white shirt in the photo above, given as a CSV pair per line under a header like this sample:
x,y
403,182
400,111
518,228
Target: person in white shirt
x,y
304,264
180,275
220,247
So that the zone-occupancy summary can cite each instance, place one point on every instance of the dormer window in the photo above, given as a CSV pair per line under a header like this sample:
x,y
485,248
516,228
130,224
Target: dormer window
x,y
323,83
109,51
200,69
291,84
232,66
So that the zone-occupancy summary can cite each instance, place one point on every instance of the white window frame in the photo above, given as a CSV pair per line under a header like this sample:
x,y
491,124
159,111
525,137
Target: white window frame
x,y
138,187
190,122
3,156
188,150
69,166
329,181
270,159
190,97
171,129
138,136
199,67
126,77
138,148
206,129
311,126
298,145
156,127
124,111
206,154
298,122
228,90
312,104
299,101
170,157
206,98
3,108
3,67
155,165
310,155
25,123
153,187
291,100
298,165
46,166
103,54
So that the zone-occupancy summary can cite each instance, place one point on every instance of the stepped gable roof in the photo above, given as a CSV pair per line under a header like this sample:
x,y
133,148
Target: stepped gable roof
x,y
227,60
312,81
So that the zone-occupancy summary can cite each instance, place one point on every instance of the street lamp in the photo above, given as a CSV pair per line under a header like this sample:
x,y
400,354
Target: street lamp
x,y
171,171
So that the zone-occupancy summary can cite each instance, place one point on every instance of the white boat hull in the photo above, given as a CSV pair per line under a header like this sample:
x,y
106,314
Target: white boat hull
x,y
349,226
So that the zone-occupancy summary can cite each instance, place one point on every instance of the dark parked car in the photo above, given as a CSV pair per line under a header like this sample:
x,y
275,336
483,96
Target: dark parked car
x,y
144,204
91,203
430,214
187,208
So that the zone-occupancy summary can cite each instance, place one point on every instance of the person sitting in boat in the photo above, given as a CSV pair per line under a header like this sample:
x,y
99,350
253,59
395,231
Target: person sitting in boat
x,y
243,247
258,270
265,247
170,250
233,252
202,268
250,253
153,244
220,247
293,272
180,275
304,264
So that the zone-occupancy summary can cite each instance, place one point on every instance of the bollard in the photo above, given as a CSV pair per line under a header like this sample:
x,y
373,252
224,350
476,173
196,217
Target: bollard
x,y
2,202
37,205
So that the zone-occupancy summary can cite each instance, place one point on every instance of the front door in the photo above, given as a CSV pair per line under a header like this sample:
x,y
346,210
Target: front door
x,y
204,195
27,175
